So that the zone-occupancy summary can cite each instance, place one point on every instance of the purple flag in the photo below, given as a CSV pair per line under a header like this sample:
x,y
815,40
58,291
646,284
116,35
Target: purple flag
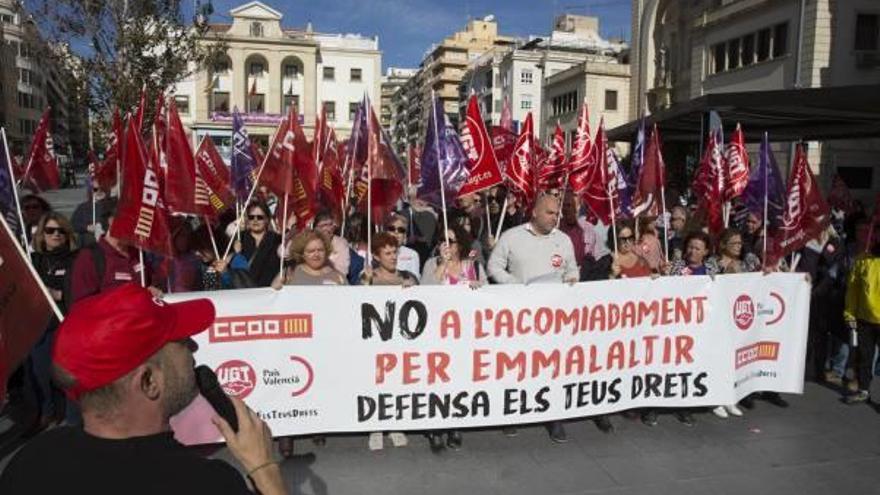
x,y
638,158
7,188
618,180
242,163
765,179
444,160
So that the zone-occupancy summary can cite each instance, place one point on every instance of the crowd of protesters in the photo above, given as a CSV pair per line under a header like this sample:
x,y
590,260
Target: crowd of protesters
x,y
555,240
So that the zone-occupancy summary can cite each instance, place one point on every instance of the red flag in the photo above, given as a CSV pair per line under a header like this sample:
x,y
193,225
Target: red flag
x,y
414,154
736,165
319,140
596,181
503,141
106,172
331,188
290,170
24,307
258,154
41,173
484,170
387,175
708,183
522,164
141,217
212,194
180,173
583,155
553,173
652,177
506,121
806,213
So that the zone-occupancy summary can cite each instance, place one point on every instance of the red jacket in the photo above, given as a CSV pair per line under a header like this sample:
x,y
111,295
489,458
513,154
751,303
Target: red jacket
x,y
118,269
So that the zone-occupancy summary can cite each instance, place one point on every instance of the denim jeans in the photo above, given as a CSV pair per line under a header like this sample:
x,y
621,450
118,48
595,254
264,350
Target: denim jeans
x,y
839,356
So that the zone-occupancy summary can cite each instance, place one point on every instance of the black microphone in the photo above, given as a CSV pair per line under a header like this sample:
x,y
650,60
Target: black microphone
x,y
214,394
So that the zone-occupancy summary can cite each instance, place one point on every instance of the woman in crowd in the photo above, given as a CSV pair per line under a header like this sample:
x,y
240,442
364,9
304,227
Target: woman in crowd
x,y
731,256
696,261
455,265
356,235
54,251
384,251
627,262
649,243
340,256
309,252
259,246
407,259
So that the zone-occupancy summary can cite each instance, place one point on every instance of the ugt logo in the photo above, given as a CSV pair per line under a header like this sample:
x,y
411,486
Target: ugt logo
x,y
743,312
237,378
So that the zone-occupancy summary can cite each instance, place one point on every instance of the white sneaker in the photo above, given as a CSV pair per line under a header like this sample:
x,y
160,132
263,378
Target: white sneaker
x,y
376,440
398,439
720,412
733,410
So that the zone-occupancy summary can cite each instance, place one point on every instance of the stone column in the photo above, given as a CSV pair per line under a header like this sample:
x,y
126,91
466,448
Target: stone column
x,y
238,91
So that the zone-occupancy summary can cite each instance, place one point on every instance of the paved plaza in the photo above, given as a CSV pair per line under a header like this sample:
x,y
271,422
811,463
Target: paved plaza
x,y
817,446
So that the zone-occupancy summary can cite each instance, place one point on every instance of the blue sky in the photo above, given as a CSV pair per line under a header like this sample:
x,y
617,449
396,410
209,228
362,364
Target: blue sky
x,y
407,28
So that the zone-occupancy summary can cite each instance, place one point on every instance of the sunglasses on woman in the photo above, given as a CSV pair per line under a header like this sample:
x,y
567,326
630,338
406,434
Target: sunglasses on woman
x,y
256,217
626,238
54,230
399,230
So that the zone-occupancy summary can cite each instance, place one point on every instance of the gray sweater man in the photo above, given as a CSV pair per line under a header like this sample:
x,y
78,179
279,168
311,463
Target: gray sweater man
x,y
535,251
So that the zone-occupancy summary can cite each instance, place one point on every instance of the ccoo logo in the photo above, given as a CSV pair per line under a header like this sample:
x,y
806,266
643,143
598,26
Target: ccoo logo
x,y
237,378
743,312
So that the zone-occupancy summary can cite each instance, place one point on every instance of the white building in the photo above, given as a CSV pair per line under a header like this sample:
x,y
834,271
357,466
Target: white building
x,y
269,67
519,74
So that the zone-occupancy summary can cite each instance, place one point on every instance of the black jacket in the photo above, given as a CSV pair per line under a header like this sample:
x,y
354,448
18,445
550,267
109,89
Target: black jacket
x,y
263,259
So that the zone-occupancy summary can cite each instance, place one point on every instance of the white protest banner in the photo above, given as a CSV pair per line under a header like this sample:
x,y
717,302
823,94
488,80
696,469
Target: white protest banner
x,y
343,359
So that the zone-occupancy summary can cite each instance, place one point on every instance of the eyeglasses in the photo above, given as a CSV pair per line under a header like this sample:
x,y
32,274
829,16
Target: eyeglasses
x,y
453,241
399,230
626,238
256,217
493,199
54,230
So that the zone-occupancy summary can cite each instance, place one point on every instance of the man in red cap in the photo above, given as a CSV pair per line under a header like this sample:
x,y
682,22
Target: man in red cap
x,y
126,357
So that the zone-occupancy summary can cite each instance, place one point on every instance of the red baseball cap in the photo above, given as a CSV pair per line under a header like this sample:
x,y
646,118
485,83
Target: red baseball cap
x,y
107,335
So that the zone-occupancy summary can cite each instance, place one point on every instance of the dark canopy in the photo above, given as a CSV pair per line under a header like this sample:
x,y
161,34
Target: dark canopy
x,y
820,114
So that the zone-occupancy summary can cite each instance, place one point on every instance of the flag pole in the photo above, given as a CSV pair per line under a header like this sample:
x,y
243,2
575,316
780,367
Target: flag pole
x,y
603,170
766,146
369,164
211,235
352,152
143,268
283,231
439,172
488,217
22,227
501,218
251,193
665,218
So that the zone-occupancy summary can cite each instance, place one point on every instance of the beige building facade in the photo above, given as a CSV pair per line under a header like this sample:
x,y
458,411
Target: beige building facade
x,y
602,86
269,67
684,50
